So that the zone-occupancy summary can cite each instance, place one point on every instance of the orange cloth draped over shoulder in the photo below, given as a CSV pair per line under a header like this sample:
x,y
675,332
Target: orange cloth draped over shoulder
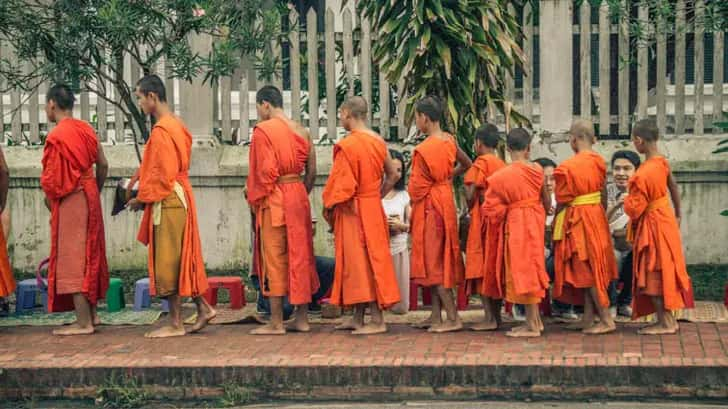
x,y
7,281
477,177
658,265
166,161
435,258
515,263
364,269
278,156
584,257
70,153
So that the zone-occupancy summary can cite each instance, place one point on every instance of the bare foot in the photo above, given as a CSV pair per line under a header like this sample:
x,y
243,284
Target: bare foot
x,y
447,326
423,324
579,326
523,333
348,324
485,326
204,316
658,329
371,329
269,329
166,332
296,326
600,328
74,329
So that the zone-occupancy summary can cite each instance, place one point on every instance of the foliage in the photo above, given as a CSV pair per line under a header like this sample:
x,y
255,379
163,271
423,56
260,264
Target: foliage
x,y
457,50
84,42
121,393
235,395
723,144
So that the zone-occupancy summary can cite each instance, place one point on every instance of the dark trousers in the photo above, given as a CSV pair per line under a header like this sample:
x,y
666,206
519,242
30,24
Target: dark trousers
x,y
325,271
624,297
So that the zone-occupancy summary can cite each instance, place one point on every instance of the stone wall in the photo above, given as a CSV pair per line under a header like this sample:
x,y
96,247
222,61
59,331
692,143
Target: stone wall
x,y
218,176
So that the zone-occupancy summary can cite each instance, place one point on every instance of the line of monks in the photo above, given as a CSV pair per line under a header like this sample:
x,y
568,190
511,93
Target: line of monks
x,y
504,255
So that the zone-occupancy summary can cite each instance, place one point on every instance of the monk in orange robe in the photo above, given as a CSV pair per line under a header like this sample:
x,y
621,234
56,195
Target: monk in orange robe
x,y
435,260
78,275
584,262
476,184
661,283
169,225
280,152
515,208
352,200
7,281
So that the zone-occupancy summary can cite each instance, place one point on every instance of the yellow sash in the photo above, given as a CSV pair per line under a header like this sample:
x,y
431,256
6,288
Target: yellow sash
x,y
583,200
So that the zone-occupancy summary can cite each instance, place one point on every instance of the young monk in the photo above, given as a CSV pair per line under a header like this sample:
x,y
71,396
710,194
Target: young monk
x,y
435,260
7,281
78,275
660,283
169,225
584,262
515,208
352,200
487,163
280,152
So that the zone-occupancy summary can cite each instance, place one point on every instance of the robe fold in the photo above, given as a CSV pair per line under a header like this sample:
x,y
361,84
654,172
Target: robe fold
x,y
283,248
659,265
483,167
164,171
435,258
70,153
515,264
584,256
7,280
364,269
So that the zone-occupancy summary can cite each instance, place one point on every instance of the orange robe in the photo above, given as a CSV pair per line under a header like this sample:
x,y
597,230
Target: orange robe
x,y
435,258
283,248
166,160
659,266
7,281
364,269
483,167
515,263
69,156
584,258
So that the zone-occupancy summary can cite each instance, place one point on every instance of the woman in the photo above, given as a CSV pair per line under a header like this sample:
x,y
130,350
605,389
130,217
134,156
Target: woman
x,y
397,207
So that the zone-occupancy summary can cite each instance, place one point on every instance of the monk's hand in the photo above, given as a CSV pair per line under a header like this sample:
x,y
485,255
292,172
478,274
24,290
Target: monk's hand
x,y
135,205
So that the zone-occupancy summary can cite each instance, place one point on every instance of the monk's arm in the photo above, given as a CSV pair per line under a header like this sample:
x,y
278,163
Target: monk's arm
x,y
470,194
310,177
674,195
464,162
102,167
4,181
391,175
545,199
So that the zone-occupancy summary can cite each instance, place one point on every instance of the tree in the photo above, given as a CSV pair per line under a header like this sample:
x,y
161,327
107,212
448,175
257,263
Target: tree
x,y
458,50
83,42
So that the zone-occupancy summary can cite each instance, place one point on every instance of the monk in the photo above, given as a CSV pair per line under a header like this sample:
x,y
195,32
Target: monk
x,y
487,139
7,281
281,150
169,225
661,283
352,200
435,260
584,262
515,208
78,275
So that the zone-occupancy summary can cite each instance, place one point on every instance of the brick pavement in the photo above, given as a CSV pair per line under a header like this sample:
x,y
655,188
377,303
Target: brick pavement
x,y
692,363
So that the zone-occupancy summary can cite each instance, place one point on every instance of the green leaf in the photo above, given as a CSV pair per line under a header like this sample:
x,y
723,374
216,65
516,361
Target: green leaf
x,y
721,150
724,213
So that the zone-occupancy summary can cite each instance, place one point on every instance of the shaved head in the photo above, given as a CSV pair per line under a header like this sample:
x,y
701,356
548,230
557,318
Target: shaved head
x,y
582,129
357,107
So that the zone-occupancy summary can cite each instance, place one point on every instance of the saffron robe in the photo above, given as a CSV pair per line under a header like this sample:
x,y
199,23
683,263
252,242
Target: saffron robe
x,y
364,268
283,248
659,265
70,153
7,281
164,172
477,177
435,258
515,263
584,257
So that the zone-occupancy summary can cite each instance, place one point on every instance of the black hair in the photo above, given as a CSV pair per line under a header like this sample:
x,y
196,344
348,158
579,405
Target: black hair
x,y
545,162
628,155
518,139
271,95
646,129
430,107
62,95
152,84
488,135
397,155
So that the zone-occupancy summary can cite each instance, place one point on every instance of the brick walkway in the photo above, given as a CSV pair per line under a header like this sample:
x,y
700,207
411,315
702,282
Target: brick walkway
x,y
695,359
